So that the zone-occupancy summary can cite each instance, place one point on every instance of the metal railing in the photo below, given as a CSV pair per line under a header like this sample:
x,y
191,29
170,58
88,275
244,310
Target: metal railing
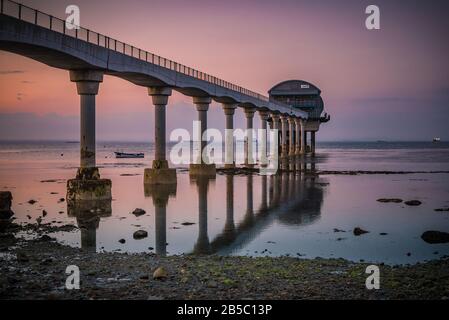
x,y
25,13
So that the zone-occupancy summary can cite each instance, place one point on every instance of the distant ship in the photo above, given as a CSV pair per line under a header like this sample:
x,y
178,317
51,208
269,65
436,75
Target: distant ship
x,y
129,155
436,139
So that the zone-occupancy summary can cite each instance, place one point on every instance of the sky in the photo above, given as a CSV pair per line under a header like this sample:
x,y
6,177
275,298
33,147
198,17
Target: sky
x,y
387,84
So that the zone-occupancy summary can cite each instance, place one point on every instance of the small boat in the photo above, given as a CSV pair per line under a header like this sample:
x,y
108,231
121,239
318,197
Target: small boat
x,y
129,155
436,139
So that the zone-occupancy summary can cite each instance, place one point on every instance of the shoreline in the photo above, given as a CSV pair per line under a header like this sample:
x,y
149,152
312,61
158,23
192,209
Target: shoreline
x,y
35,269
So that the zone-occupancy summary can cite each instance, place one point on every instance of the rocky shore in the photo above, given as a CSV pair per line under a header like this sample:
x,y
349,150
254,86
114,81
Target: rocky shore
x,y
36,269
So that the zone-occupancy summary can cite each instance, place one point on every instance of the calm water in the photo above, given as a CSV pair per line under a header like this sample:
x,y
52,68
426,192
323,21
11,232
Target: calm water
x,y
295,215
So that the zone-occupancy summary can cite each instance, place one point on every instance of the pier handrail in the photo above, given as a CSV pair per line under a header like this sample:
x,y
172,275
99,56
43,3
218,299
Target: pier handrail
x,y
34,16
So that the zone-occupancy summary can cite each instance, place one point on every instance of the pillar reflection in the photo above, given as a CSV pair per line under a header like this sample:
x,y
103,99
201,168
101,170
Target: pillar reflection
x,y
88,214
160,195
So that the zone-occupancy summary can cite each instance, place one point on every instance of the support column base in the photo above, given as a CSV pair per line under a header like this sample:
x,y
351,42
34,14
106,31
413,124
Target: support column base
x,y
89,189
202,169
159,176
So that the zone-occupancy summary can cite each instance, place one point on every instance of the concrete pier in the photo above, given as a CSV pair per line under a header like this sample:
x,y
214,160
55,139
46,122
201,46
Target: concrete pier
x,y
249,159
229,110
303,138
298,136
291,136
160,173
284,145
87,185
263,142
202,167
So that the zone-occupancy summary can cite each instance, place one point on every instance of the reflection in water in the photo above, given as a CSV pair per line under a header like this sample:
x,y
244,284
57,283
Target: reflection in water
x,y
88,214
202,245
160,195
295,199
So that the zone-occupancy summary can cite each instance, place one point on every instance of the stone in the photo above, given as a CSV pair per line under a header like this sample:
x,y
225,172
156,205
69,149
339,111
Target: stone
x,y
122,241
383,233
140,234
413,203
358,231
187,223
388,200
138,212
61,200
32,201
338,230
159,174
44,213
160,273
442,209
205,170
94,189
435,237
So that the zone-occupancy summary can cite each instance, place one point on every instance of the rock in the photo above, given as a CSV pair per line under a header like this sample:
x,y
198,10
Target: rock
x,y
140,234
388,200
338,230
442,209
408,254
22,257
138,212
187,223
358,231
44,213
435,237
32,201
212,284
383,233
413,203
122,241
61,200
160,273
5,205
46,238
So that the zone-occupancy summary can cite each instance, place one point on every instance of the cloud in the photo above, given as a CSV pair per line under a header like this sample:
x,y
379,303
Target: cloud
x,y
6,72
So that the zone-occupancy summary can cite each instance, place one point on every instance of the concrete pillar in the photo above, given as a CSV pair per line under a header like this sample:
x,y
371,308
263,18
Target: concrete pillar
x,y
312,142
291,137
87,84
298,136
276,126
284,146
160,173
87,185
263,143
201,167
249,159
306,143
229,110
303,137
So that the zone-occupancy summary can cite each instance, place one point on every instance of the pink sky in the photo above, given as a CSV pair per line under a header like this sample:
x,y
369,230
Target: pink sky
x,y
387,84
